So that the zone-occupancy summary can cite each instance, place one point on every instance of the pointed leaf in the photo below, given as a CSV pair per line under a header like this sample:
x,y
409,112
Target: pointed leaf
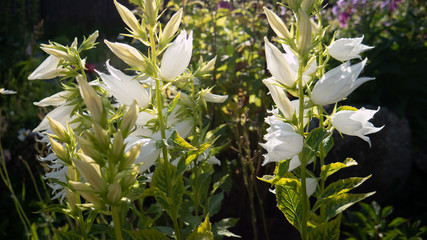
x,y
341,202
339,187
203,232
326,231
178,142
329,169
288,194
312,143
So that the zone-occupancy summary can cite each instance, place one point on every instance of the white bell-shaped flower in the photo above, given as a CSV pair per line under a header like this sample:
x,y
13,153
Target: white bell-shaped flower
x,y
280,98
48,69
283,142
338,83
355,123
56,99
177,56
60,114
278,65
347,48
124,88
213,98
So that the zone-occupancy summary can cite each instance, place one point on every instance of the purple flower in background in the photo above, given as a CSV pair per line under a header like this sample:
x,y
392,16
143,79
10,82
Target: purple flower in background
x,y
223,4
393,5
343,18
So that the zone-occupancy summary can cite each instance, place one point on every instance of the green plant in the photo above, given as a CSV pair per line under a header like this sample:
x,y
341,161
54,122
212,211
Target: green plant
x,y
371,222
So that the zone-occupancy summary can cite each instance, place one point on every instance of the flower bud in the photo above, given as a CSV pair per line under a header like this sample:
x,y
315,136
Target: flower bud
x,y
91,99
131,155
171,28
52,50
307,5
208,66
214,98
118,145
87,147
128,54
92,198
127,17
277,24
129,119
114,193
101,135
59,150
58,129
71,199
294,4
151,10
304,36
90,171
80,186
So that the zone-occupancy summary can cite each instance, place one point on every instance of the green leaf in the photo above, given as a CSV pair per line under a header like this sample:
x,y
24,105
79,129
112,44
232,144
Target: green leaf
x,y
221,228
329,169
341,202
192,155
312,143
339,187
281,169
288,194
169,195
203,232
328,143
326,231
218,184
178,142
172,104
147,234
215,203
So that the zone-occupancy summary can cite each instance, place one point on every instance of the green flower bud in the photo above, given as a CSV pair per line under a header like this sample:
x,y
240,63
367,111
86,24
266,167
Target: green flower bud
x,y
129,119
90,171
59,150
91,99
277,24
170,28
304,28
114,193
58,130
127,17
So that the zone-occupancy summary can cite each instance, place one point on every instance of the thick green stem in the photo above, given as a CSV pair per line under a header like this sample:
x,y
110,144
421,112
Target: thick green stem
x,y
117,221
305,202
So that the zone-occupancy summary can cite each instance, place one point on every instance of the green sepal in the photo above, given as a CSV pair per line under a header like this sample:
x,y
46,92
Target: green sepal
x,y
203,232
329,169
326,231
173,103
147,234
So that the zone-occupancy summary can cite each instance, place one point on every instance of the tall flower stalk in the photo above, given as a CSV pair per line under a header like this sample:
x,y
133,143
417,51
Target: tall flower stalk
x,y
293,140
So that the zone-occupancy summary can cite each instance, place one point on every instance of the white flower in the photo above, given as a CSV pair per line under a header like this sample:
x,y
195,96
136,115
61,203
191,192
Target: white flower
x,y
60,114
284,66
282,141
48,69
124,88
355,123
5,91
295,162
347,48
280,98
56,99
278,65
338,83
214,98
177,56
58,173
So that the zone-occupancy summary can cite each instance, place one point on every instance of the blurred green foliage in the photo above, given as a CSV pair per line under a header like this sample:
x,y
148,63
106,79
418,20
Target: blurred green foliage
x,y
371,222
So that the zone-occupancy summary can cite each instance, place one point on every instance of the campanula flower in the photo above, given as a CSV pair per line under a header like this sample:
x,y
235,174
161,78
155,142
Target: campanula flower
x,y
355,123
347,48
177,56
338,83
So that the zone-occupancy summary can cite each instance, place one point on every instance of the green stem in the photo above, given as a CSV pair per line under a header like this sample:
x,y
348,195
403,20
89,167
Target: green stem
x,y
116,212
305,203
